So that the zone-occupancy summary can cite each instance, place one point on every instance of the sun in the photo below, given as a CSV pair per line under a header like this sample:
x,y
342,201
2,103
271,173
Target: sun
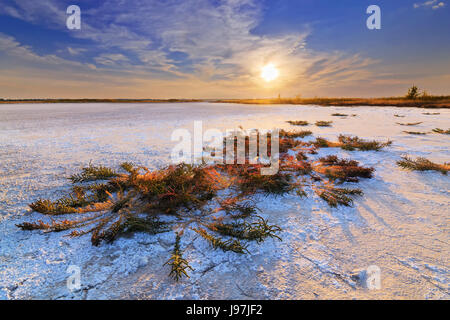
x,y
269,72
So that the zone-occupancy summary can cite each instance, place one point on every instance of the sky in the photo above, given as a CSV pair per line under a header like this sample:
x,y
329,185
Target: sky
x,y
218,48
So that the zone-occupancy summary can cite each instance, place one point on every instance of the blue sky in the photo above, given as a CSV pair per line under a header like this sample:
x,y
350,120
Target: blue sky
x,y
217,48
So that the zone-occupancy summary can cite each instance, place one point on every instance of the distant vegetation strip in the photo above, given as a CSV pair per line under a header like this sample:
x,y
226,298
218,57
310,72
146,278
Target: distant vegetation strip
x,y
419,102
422,102
98,100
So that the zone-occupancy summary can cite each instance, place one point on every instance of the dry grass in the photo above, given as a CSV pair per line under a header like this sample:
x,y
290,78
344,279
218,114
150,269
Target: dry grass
x,y
415,132
339,115
351,143
298,123
420,102
295,134
287,144
178,264
93,173
88,100
441,131
338,196
215,201
423,164
324,123
343,170
409,124
427,101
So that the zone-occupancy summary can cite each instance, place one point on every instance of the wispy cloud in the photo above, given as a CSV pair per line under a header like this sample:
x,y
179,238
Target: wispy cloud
x,y
75,51
11,49
110,58
186,47
433,4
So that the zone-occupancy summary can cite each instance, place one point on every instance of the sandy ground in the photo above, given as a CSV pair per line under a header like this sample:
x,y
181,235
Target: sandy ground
x,y
401,224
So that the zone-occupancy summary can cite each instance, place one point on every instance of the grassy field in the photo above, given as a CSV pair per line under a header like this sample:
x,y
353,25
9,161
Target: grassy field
x,y
421,102
4,101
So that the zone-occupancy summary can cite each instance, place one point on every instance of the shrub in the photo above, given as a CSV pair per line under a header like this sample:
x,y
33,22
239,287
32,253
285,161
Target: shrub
x,y
295,134
323,143
339,115
286,144
352,143
215,201
324,123
343,170
178,264
409,124
338,196
441,131
413,93
423,164
92,173
298,123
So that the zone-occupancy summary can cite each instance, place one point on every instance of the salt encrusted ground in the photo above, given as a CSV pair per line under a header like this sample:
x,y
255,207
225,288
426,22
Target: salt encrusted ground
x,y
401,225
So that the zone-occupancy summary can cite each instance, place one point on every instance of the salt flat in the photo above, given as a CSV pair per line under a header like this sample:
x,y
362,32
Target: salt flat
x,y
401,224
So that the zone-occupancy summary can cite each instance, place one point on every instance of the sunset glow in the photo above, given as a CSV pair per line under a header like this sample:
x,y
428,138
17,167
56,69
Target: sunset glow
x,y
269,73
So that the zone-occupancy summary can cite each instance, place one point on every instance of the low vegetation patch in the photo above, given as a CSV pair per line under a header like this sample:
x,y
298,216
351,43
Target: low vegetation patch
x,y
215,201
414,98
351,143
178,264
415,132
92,173
409,124
338,196
342,170
441,131
295,134
423,164
298,123
339,115
324,123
